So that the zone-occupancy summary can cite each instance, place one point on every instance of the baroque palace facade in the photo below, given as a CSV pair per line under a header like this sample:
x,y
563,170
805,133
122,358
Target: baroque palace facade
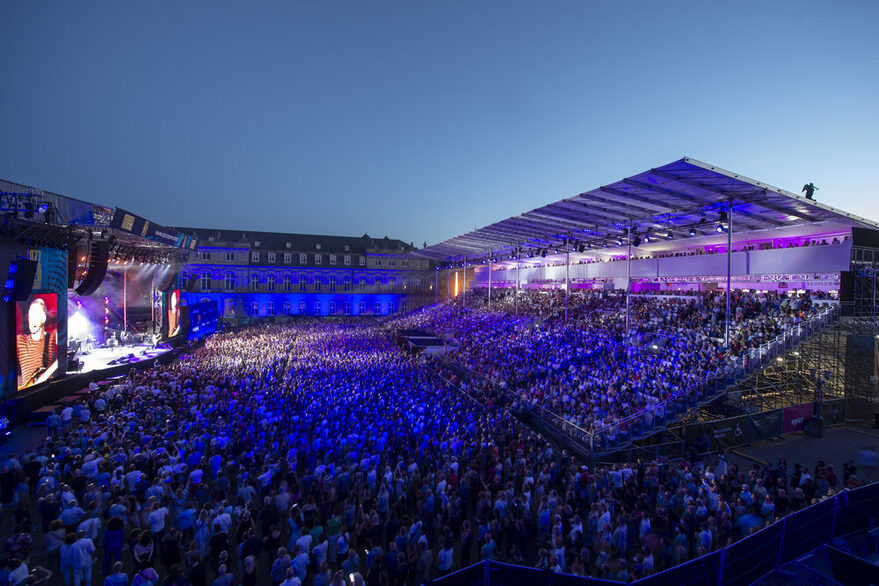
x,y
257,274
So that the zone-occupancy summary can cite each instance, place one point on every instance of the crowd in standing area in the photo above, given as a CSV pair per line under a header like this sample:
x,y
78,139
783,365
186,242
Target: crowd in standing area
x,y
316,452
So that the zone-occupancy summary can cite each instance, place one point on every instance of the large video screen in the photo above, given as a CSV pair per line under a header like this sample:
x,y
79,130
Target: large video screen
x,y
173,313
36,340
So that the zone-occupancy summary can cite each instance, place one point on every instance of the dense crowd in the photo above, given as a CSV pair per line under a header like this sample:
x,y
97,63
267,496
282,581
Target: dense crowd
x,y
581,369
319,453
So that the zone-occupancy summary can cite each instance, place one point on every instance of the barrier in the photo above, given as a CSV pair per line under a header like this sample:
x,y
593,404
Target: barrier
x,y
743,562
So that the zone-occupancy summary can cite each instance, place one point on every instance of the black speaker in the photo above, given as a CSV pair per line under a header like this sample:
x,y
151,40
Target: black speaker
x,y
99,256
20,280
72,263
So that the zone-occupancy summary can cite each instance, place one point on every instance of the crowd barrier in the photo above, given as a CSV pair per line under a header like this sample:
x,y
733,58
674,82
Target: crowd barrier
x,y
742,562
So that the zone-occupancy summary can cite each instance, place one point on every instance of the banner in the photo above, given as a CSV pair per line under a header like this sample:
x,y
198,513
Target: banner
x,y
128,222
833,411
764,425
795,418
728,433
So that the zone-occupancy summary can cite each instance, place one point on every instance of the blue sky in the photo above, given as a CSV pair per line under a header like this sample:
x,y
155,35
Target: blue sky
x,y
424,120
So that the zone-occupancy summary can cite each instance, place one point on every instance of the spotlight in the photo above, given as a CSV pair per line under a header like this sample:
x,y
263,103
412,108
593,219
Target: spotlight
x,y
692,231
646,239
543,253
670,236
636,242
604,244
702,220
43,208
719,228
619,241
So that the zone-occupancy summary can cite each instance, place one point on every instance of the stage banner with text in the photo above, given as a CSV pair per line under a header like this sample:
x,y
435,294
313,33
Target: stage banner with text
x,y
795,418
728,433
133,224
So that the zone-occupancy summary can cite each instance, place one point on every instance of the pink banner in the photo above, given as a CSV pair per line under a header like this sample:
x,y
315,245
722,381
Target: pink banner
x,y
795,418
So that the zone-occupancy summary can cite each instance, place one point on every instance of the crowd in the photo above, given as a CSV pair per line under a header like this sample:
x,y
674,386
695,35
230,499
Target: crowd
x,y
319,453
589,369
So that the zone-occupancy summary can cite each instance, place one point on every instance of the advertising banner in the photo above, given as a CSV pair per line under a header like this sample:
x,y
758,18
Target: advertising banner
x,y
128,222
730,432
795,418
764,425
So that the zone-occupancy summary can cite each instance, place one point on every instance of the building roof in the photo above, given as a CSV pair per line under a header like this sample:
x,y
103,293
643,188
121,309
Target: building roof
x,y
678,197
298,242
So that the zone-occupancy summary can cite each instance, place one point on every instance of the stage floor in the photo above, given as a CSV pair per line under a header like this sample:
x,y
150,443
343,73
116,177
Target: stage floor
x,y
101,358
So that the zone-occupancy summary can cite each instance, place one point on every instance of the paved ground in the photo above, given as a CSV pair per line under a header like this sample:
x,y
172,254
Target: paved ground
x,y
839,444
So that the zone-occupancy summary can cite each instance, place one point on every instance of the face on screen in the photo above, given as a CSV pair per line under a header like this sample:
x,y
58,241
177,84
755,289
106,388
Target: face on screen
x,y
36,340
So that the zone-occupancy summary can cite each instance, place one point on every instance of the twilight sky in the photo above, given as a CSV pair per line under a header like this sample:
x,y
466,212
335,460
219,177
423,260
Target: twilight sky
x,y
424,120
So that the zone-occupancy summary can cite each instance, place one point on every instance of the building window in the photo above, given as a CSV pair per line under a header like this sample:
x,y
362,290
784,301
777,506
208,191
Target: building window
x,y
301,308
347,284
418,285
392,283
254,257
378,308
270,282
376,262
205,281
332,308
405,263
288,283
333,284
417,264
347,260
361,308
347,306
378,283
332,259
317,284
271,256
288,258
404,306
317,246
392,307
229,308
303,283
317,259
205,255
362,261
317,308
392,263
303,258
230,257
229,281
270,308
254,309
286,308
254,282
361,284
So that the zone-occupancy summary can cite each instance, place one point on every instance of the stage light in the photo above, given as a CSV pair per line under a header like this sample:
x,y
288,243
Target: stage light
x,y
692,231
619,241
670,236
722,216
43,208
719,228
82,259
543,253
636,242
646,239
604,244
702,220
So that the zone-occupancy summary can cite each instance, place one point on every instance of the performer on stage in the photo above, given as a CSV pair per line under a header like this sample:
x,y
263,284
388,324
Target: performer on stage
x,y
37,348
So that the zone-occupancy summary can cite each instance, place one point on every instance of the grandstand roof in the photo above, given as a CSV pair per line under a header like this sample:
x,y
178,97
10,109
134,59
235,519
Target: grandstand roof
x,y
680,196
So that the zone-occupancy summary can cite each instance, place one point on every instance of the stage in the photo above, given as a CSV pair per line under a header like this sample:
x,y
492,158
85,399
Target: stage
x,y
103,358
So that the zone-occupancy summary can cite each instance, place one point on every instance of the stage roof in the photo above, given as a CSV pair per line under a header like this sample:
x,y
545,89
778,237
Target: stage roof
x,y
678,197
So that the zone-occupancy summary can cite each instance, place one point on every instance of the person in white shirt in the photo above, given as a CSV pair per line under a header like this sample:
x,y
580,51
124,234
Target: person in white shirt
x,y
156,520
83,550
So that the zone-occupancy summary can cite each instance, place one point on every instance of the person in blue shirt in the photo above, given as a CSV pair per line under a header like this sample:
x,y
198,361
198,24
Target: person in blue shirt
x,y
118,577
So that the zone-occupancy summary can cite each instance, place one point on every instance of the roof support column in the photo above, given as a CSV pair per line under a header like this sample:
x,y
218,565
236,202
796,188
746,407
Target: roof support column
x,y
518,254
464,284
728,272
567,277
628,282
436,283
489,278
